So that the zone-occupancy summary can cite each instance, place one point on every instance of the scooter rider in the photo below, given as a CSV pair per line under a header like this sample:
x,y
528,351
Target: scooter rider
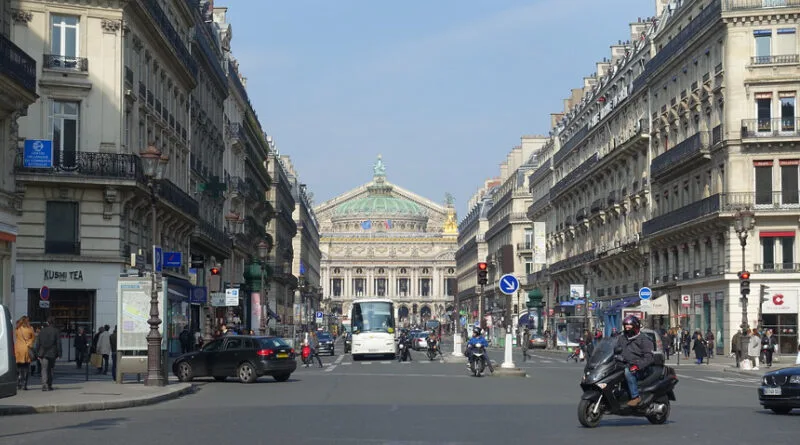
x,y
405,340
637,354
477,338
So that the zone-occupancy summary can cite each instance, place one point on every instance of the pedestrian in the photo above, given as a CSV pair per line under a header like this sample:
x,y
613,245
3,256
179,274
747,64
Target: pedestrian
x,y
48,351
313,343
754,348
768,345
24,338
686,342
709,343
95,337
198,340
36,363
104,349
185,339
699,348
113,340
526,342
80,345
736,347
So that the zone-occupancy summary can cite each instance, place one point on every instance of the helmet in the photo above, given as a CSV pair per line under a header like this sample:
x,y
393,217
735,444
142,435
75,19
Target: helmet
x,y
633,321
477,331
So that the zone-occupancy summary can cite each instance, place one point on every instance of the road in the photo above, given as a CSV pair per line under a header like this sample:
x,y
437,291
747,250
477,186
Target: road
x,y
386,402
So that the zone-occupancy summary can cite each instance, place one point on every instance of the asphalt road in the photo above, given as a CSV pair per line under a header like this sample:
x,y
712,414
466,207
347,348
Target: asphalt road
x,y
385,402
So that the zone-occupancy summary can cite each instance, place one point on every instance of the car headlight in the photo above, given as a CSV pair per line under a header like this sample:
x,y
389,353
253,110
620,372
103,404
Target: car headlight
x,y
794,379
764,381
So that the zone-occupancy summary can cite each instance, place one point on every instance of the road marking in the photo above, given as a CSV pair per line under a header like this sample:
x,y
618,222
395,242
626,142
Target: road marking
x,y
335,364
347,363
385,362
366,363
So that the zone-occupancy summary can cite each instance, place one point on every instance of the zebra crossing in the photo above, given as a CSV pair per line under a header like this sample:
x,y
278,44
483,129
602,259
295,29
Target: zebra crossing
x,y
745,382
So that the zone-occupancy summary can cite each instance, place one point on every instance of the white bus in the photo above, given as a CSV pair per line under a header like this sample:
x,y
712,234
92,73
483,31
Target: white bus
x,y
373,329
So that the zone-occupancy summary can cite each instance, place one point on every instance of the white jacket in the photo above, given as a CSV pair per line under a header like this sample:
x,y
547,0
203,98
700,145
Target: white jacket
x,y
104,344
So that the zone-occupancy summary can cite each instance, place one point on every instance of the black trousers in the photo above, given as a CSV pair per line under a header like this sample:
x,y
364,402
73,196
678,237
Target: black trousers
x,y
768,356
23,373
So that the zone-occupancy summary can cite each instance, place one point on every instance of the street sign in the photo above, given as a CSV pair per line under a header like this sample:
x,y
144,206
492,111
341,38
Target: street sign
x,y
645,293
319,316
173,259
231,297
508,284
44,293
44,304
158,259
646,305
198,295
37,153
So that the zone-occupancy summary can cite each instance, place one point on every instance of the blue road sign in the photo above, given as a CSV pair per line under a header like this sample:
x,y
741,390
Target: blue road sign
x,y
172,259
158,259
508,284
198,295
319,315
37,153
645,293
44,293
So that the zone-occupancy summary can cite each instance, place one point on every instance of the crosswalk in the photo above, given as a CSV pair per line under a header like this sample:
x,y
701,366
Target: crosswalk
x,y
746,382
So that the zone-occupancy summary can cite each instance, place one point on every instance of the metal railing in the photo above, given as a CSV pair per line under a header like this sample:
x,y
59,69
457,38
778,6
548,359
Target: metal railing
x,y
218,236
685,214
736,5
688,150
709,14
17,64
771,127
762,200
777,267
83,164
524,246
158,15
774,60
573,176
59,62
177,197
573,142
201,39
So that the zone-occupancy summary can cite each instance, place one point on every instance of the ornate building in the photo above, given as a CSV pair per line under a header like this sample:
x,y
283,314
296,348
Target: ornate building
x,y
380,240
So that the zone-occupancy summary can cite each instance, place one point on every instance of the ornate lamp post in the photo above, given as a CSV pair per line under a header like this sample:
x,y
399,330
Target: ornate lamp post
x,y
154,165
743,223
263,251
587,271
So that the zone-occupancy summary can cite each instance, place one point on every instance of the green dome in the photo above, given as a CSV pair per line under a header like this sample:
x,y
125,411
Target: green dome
x,y
375,205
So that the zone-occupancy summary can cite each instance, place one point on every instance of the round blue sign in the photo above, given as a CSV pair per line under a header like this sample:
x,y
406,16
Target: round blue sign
x,y
645,293
508,284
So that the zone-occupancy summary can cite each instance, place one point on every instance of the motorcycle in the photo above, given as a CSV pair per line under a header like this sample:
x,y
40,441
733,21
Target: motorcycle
x,y
403,349
305,354
478,359
605,389
433,349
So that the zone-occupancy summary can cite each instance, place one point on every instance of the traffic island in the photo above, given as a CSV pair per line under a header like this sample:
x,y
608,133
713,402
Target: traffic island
x,y
508,372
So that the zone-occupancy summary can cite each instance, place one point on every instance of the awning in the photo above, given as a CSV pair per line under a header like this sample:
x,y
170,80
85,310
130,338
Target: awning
x,y
625,302
571,303
178,288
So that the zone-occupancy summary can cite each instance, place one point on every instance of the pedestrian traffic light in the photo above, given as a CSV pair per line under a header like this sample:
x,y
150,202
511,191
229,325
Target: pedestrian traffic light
x,y
744,282
483,273
215,271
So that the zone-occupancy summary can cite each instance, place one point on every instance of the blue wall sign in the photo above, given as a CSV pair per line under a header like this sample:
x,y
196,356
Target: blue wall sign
x,y
172,259
198,295
38,153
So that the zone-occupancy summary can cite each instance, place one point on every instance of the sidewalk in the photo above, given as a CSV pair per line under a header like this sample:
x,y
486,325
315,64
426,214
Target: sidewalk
x,y
72,393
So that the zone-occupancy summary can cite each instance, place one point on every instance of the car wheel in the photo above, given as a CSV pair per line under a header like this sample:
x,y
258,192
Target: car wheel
x,y
185,372
246,373
281,377
220,378
781,410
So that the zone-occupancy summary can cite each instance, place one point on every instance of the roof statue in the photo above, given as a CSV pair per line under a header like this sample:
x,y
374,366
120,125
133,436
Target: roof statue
x,y
449,200
379,168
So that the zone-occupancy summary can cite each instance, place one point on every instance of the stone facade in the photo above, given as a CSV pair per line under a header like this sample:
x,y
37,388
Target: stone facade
x,y
380,240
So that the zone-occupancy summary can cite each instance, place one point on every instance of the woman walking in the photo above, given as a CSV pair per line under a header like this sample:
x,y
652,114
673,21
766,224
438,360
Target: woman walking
x,y
23,345
699,347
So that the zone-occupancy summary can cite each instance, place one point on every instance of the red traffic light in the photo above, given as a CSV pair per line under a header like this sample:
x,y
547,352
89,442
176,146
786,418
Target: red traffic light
x,y
482,266
215,271
744,275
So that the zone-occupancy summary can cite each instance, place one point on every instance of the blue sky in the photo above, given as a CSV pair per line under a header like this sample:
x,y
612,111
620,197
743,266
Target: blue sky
x,y
443,89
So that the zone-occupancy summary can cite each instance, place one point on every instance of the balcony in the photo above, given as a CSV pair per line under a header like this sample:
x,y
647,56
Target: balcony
x,y
154,10
178,198
213,234
682,155
539,205
85,164
62,247
212,58
572,177
67,63
785,59
739,5
683,215
775,128
780,201
573,142
677,44
526,247
17,64
777,268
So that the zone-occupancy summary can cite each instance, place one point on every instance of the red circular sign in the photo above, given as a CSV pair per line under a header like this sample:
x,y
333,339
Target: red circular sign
x,y
44,293
777,299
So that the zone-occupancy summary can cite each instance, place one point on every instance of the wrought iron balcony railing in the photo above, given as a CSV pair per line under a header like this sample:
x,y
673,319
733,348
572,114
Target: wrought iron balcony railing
x,y
775,60
59,62
87,164
771,128
737,5
687,151
161,19
762,200
17,64
217,236
777,267
177,197
685,214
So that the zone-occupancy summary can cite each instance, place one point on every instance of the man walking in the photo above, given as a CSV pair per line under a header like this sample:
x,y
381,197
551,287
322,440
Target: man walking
x,y
49,351
526,341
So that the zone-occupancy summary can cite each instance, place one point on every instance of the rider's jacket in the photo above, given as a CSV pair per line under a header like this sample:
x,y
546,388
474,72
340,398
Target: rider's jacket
x,y
475,340
637,350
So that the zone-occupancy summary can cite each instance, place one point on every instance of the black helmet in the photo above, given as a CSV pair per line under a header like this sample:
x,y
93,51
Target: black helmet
x,y
476,331
633,321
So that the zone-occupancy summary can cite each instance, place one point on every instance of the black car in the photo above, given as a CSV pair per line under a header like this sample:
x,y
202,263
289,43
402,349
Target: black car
x,y
348,342
325,343
244,357
780,390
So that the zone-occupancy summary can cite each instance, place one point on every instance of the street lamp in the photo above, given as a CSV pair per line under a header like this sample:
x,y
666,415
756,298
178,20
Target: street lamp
x,y
743,223
263,251
154,164
587,270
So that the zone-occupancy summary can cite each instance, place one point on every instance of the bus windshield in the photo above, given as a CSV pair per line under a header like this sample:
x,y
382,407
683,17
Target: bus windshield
x,y
373,317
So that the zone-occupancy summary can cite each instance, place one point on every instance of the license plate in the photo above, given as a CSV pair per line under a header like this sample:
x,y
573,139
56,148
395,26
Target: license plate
x,y
373,350
282,355
772,391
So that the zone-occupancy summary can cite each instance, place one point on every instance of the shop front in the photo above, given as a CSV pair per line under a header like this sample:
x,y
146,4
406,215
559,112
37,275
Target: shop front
x,y
179,312
780,313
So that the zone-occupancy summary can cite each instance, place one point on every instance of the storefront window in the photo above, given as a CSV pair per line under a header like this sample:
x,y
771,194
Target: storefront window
x,y
784,328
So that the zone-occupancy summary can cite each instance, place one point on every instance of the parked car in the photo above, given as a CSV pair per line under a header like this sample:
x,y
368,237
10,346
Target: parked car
x,y
780,390
325,343
537,341
419,341
244,357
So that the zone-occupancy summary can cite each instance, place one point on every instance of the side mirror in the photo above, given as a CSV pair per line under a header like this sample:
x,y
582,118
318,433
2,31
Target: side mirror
x,y
618,350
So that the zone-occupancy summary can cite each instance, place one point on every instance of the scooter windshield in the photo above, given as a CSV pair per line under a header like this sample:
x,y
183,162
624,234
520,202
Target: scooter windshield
x,y
603,352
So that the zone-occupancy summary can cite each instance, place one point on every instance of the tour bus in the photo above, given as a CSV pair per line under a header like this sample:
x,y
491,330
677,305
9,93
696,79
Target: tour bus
x,y
8,363
373,329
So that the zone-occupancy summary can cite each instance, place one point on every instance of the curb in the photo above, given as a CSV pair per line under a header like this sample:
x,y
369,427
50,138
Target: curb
x,y
99,405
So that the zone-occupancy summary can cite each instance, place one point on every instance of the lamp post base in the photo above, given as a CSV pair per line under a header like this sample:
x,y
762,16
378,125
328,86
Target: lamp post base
x,y
155,376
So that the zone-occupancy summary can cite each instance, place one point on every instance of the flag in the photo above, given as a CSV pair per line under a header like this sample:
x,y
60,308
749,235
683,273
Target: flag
x,y
366,225
388,223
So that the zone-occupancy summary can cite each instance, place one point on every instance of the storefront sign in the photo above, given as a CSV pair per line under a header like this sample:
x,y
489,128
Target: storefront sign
x,y
58,275
686,300
781,302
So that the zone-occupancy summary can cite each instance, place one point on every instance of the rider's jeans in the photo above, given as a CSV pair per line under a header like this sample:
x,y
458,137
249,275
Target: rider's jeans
x,y
633,384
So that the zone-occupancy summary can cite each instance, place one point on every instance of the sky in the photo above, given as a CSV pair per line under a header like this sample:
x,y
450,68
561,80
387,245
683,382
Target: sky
x,y
442,89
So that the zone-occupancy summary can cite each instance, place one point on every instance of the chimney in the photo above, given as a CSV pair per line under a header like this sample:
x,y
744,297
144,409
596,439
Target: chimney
x,y
555,118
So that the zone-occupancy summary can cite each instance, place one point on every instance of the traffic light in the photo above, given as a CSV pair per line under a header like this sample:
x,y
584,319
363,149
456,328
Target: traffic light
x,y
764,293
744,282
483,273
215,271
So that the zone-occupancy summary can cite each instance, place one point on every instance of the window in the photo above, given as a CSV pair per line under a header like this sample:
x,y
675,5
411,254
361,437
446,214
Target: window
x,y
768,252
763,45
450,285
786,45
64,132
402,286
425,287
61,228
764,111
233,343
789,185
359,286
213,346
64,42
529,265
788,116
336,287
763,182
380,287
528,239
787,248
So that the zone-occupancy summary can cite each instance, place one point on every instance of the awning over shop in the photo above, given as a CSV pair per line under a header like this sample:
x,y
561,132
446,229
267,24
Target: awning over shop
x,y
625,302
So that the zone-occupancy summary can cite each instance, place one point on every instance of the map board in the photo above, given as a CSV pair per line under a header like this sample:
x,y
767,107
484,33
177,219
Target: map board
x,y
133,311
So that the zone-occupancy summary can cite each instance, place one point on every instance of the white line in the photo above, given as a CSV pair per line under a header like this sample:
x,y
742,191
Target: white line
x,y
332,367
347,363
385,363
339,360
366,363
